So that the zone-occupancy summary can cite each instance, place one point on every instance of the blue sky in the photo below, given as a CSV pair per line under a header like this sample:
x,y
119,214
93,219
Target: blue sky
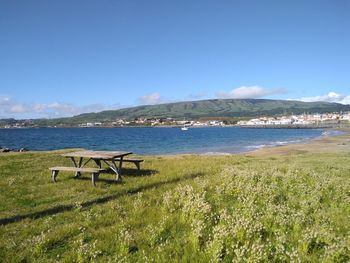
x,y
61,58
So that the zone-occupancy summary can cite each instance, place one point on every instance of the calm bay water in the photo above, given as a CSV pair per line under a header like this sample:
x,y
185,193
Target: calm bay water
x,y
154,140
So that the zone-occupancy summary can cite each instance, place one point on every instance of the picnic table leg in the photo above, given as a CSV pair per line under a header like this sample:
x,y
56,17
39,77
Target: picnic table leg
x,y
118,176
112,165
121,163
98,163
94,177
77,174
54,175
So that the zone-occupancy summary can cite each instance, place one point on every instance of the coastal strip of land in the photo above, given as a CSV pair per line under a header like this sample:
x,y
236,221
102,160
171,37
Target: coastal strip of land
x,y
324,144
286,203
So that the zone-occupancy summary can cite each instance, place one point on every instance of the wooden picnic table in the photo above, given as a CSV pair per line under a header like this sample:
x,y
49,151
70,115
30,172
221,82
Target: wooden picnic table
x,y
82,158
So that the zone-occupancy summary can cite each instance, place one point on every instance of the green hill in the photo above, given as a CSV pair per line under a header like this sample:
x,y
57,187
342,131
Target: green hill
x,y
208,108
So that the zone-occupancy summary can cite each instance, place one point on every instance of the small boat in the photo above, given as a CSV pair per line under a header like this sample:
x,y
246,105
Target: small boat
x,y
184,128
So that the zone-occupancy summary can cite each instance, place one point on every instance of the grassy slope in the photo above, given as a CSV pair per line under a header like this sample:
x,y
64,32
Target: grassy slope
x,y
209,108
188,208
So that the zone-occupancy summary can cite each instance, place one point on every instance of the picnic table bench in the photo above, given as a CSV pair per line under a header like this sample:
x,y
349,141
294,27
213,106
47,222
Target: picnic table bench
x,y
98,157
134,161
95,172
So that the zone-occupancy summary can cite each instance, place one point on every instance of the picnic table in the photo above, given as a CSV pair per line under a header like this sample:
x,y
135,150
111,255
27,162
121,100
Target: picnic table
x,y
81,158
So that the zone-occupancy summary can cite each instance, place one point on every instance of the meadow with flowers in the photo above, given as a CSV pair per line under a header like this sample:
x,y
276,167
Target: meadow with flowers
x,y
185,208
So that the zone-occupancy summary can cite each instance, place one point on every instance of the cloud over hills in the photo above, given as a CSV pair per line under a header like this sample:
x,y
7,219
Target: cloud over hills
x,y
12,108
248,92
150,99
330,97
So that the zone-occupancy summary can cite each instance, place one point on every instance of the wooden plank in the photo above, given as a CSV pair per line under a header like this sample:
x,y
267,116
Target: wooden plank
x,y
76,169
97,154
126,160
130,160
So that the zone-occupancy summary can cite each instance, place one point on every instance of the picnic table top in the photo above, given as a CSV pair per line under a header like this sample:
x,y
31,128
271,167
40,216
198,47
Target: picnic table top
x,y
97,154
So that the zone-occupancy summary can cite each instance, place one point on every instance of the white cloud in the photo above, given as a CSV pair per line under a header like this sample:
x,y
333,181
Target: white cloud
x,y
14,109
7,105
196,96
151,99
18,108
249,92
330,97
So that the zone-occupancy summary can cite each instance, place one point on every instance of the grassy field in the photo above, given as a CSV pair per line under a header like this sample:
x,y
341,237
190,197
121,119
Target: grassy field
x,y
278,208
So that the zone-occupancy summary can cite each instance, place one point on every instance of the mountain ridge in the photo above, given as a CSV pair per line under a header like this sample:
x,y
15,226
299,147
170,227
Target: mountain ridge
x,y
211,108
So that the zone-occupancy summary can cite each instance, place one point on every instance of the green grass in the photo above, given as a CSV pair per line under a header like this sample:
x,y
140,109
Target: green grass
x,y
178,209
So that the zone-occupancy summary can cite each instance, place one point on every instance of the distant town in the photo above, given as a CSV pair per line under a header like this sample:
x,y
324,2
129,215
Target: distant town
x,y
303,120
298,120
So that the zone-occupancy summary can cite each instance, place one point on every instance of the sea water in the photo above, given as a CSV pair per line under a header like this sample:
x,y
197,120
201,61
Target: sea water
x,y
215,140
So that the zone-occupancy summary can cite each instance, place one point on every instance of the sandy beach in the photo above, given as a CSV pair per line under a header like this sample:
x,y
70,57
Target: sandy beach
x,y
324,144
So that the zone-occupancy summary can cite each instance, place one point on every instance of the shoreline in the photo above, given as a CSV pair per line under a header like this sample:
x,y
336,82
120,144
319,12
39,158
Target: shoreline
x,y
322,144
327,142
288,126
266,148
333,143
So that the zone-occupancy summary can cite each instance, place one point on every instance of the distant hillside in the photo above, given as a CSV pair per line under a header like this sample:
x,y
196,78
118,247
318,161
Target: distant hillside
x,y
7,121
207,108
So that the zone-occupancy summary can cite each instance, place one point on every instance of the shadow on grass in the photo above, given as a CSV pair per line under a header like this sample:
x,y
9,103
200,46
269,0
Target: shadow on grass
x,y
134,172
101,200
126,172
104,180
